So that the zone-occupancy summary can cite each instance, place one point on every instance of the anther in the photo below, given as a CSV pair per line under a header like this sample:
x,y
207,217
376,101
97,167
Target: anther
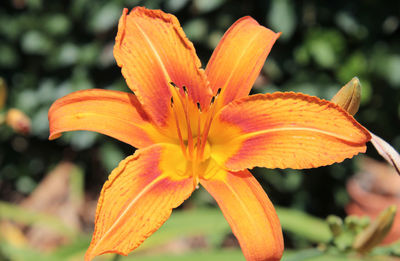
x,y
198,106
218,91
212,100
185,89
172,102
173,84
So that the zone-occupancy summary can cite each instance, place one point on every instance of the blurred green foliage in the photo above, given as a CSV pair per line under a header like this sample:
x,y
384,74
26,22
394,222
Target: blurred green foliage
x,y
51,48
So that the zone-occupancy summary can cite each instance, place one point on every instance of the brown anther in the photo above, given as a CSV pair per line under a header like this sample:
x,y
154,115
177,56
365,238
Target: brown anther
x,y
212,100
184,89
173,84
218,91
172,101
198,106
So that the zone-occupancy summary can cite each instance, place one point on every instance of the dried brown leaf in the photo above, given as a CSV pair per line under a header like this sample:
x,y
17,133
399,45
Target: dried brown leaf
x,y
386,151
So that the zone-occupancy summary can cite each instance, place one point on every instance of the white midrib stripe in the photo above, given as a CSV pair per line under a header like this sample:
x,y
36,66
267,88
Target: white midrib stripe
x,y
138,196
244,206
327,133
163,68
238,61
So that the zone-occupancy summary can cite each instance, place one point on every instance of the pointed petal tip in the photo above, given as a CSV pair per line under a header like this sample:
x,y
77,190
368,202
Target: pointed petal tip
x,y
54,136
89,255
146,47
113,113
249,212
237,60
297,132
137,199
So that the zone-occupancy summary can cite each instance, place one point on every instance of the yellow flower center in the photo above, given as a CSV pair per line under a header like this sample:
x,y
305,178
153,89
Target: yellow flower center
x,y
204,149
192,127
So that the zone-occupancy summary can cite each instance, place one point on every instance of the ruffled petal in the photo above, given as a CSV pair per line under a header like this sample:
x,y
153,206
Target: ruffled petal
x,y
238,58
113,113
284,130
137,199
152,50
249,212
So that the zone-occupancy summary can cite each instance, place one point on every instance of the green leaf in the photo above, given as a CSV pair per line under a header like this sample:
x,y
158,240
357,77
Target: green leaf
x,y
355,64
282,17
302,255
35,42
67,55
196,30
105,18
209,255
8,56
13,252
207,222
40,123
81,140
57,24
18,214
326,47
175,5
308,227
205,6
110,155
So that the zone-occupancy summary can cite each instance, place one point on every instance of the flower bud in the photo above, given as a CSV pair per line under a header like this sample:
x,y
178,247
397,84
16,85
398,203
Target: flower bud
x,y
349,96
351,223
335,224
376,231
18,121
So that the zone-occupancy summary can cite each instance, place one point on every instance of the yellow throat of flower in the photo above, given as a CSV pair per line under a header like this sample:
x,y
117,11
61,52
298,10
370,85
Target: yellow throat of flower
x,y
192,124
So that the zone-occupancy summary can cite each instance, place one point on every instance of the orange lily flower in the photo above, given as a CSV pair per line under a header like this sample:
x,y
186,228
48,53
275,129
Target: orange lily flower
x,y
194,126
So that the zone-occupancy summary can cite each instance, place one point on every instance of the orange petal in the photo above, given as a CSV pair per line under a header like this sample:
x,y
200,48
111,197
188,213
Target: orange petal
x,y
117,114
152,50
284,130
238,58
249,212
136,200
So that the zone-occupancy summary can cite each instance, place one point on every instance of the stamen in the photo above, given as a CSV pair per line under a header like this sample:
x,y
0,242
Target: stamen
x,y
189,129
174,110
207,125
218,91
184,104
178,129
198,145
198,106
212,100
